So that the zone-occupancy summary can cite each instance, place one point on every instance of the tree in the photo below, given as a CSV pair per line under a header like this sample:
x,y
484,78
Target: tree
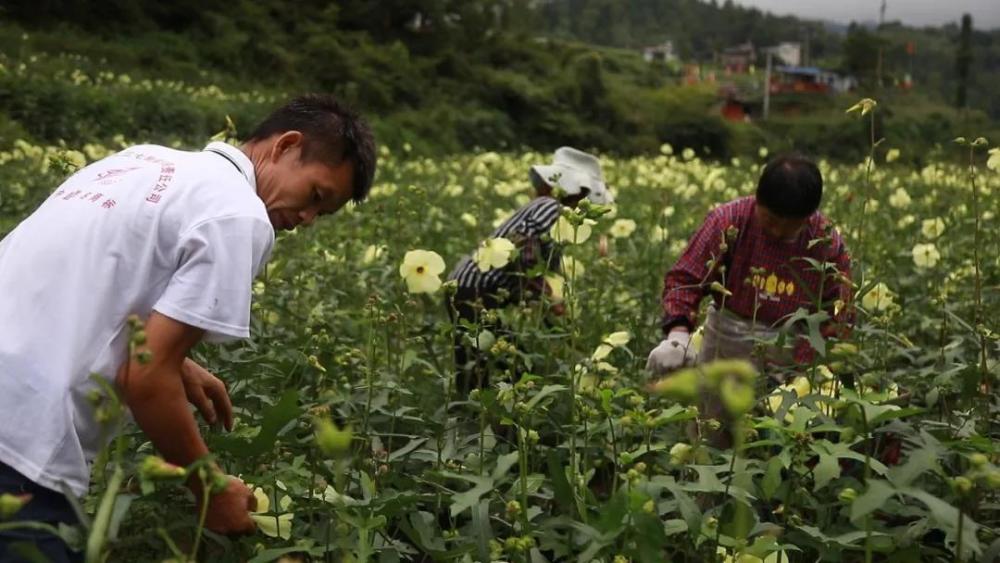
x,y
963,61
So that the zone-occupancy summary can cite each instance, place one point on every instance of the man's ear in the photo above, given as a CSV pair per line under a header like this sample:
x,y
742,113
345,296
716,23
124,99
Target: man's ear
x,y
285,142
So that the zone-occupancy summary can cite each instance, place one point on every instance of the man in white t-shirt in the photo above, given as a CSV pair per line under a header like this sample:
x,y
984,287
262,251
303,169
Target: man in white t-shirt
x,y
175,238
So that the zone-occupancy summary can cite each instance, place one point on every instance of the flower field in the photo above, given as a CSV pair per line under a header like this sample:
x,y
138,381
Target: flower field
x,y
885,448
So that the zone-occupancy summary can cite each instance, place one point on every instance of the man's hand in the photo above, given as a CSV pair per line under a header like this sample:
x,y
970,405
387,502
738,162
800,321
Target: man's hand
x,y
207,393
229,511
673,353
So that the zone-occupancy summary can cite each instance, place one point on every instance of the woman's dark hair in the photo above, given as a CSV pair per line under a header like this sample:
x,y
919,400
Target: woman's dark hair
x,y
791,186
332,132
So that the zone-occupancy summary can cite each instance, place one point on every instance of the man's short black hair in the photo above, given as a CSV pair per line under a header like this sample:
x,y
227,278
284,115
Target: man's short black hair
x,y
791,186
332,132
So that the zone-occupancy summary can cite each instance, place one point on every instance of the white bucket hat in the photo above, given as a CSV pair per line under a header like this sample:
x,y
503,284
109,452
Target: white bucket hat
x,y
573,171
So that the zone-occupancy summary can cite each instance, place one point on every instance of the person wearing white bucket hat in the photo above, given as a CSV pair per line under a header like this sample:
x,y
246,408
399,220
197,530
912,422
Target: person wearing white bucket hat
x,y
574,172
572,176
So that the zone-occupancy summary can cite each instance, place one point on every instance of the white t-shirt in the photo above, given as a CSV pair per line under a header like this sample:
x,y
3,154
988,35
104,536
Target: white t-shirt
x,y
149,228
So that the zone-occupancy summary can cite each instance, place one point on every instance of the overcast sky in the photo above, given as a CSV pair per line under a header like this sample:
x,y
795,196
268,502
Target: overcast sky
x,y
985,13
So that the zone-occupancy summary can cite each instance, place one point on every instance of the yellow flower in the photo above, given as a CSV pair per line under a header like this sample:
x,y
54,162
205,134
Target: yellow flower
x,y
925,255
659,234
74,160
277,525
899,199
557,286
565,232
420,269
493,253
762,152
879,298
618,339
572,267
687,154
864,106
485,340
601,352
622,228
469,219
891,155
932,228
800,385
993,163
372,253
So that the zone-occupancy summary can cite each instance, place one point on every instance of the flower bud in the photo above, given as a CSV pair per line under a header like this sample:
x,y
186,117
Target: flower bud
x,y
155,468
962,484
10,504
680,453
993,479
978,460
513,509
847,495
332,440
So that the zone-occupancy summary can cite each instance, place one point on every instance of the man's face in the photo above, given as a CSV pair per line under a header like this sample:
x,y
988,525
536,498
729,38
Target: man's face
x,y
776,227
294,191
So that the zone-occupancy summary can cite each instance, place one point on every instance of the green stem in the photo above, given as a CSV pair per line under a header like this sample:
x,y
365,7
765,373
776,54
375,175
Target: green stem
x,y
98,534
206,493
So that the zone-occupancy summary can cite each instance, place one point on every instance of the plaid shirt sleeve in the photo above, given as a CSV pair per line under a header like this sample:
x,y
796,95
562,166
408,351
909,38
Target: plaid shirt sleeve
x,y
837,299
685,285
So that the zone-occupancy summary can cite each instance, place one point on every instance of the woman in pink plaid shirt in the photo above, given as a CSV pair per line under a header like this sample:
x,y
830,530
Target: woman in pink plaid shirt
x,y
749,256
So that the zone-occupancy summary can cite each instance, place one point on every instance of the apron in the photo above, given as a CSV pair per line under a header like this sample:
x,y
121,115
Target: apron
x,y
726,335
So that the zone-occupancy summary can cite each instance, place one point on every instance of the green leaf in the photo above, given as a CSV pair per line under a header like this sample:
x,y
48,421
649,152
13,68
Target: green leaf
x,y
772,477
269,555
409,447
688,508
872,499
826,470
545,392
675,526
461,502
945,517
895,413
917,462
504,463
482,530
118,512
273,421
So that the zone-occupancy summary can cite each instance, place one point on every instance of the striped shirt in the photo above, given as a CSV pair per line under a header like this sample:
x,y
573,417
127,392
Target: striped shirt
x,y
525,228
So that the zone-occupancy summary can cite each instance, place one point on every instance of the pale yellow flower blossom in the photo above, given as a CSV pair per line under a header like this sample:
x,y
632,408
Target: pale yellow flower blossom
x,y
421,270
925,255
493,253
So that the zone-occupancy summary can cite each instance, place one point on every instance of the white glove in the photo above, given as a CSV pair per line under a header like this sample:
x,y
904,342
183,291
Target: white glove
x,y
674,352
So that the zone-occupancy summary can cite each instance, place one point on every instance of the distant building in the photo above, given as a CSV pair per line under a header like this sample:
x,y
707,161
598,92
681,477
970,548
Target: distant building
x,y
663,52
787,78
739,59
788,53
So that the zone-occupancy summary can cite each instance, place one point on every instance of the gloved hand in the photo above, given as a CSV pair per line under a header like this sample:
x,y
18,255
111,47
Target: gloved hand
x,y
674,352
